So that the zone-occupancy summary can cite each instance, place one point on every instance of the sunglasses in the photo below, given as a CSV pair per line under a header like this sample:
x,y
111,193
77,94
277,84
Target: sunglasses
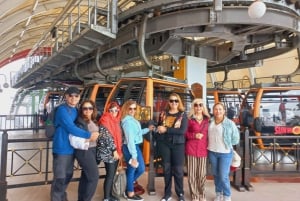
x,y
132,108
73,95
87,108
174,101
198,104
113,110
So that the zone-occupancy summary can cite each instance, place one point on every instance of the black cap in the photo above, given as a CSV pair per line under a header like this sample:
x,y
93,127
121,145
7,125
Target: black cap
x,y
72,90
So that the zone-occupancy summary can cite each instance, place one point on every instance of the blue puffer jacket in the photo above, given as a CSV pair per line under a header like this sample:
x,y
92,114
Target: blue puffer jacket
x,y
64,123
133,133
231,133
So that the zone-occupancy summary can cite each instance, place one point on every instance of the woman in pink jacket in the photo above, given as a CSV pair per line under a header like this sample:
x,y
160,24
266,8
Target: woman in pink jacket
x,y
196,149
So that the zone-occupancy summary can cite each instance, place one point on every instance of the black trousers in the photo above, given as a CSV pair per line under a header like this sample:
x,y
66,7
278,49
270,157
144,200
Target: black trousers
x,y
110,169
173,162
89,174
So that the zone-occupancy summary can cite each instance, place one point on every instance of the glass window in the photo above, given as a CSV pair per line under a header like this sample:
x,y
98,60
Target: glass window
x,y
161,97
280,107
129,89
101,97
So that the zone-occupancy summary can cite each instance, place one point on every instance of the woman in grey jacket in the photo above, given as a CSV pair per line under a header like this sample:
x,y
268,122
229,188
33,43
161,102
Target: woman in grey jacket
x,y
222,135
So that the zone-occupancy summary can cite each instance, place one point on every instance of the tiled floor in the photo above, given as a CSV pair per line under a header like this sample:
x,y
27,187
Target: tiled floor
x,y
263,191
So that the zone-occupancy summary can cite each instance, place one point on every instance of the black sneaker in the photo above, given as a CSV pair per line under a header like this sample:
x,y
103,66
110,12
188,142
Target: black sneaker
x,y
138,196
113,198
135,198
181,197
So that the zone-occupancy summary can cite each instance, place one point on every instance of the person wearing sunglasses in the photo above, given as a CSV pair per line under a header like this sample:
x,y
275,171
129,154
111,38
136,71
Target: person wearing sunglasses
x,y
196,149
109,146
63,152
86,155
171,142
133,137
222,135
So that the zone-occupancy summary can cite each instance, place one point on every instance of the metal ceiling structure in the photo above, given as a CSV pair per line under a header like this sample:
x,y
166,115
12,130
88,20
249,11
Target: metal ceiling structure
x,y
89,39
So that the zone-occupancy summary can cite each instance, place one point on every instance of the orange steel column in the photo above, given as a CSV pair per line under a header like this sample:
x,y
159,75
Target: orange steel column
x,y
149,102
256,110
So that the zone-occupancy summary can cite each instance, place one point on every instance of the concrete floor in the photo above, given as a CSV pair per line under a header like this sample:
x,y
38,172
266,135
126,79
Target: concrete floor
x,y
263,191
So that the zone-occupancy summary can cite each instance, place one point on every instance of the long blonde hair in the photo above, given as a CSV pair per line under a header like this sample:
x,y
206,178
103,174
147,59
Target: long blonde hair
x,y
180,104
125,108
204,111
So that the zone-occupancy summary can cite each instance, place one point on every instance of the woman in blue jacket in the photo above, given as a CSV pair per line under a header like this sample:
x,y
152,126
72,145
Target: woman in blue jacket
x,y
222,135
133,137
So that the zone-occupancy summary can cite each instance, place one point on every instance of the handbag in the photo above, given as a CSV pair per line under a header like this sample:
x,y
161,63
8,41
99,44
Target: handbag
x,y
236,161
119,183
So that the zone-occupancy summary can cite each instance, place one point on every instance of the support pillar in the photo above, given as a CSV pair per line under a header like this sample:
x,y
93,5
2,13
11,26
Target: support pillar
x,y
193,70
3,165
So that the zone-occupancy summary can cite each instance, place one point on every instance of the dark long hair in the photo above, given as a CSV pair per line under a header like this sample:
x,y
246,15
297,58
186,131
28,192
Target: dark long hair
x,y
94,114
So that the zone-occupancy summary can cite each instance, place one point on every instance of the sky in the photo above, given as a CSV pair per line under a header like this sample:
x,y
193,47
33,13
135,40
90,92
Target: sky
x,y
7,95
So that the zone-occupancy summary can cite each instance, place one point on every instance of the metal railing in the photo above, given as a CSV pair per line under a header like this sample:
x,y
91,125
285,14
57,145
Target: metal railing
x,y
280,156
21,122
33,158
24,157
76,17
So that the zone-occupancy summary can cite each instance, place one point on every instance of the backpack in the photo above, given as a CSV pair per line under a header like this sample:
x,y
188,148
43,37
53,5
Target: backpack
x,y
49,123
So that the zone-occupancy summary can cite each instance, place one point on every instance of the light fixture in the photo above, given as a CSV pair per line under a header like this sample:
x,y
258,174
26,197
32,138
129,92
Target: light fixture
x,y
257,9
5,84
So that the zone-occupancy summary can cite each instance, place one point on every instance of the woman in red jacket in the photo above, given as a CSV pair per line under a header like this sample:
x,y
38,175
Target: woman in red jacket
x,y
196,149
111,121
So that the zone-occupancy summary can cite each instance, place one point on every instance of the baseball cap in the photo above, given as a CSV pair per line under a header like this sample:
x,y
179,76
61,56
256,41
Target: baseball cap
x,y
72,90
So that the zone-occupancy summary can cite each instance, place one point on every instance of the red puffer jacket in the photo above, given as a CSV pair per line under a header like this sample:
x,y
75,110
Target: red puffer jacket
x,y
196,147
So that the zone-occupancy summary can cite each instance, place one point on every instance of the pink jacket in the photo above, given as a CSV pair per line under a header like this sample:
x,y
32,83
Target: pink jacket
x,y
193,146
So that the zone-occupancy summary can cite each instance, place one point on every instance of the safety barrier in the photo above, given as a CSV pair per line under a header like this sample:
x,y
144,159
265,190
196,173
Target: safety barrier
x,y
33,158
26,161
280,156
21,122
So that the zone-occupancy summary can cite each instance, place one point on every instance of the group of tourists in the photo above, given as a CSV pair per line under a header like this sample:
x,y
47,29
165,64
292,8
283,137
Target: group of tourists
x,y
117,136
80,135
196,136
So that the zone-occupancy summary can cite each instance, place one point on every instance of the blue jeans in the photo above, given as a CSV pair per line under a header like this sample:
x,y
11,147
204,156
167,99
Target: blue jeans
x,y
220,164
132,174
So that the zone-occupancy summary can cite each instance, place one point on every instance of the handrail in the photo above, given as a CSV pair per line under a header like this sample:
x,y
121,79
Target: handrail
x,y
43,168
275,148
75,17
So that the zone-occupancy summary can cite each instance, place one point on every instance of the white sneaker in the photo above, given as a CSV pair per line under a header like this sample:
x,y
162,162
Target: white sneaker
x,y
219,197
166,198
226,198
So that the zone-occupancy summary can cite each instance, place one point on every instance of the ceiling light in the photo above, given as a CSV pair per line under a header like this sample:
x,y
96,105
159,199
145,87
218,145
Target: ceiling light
x,y
257,9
